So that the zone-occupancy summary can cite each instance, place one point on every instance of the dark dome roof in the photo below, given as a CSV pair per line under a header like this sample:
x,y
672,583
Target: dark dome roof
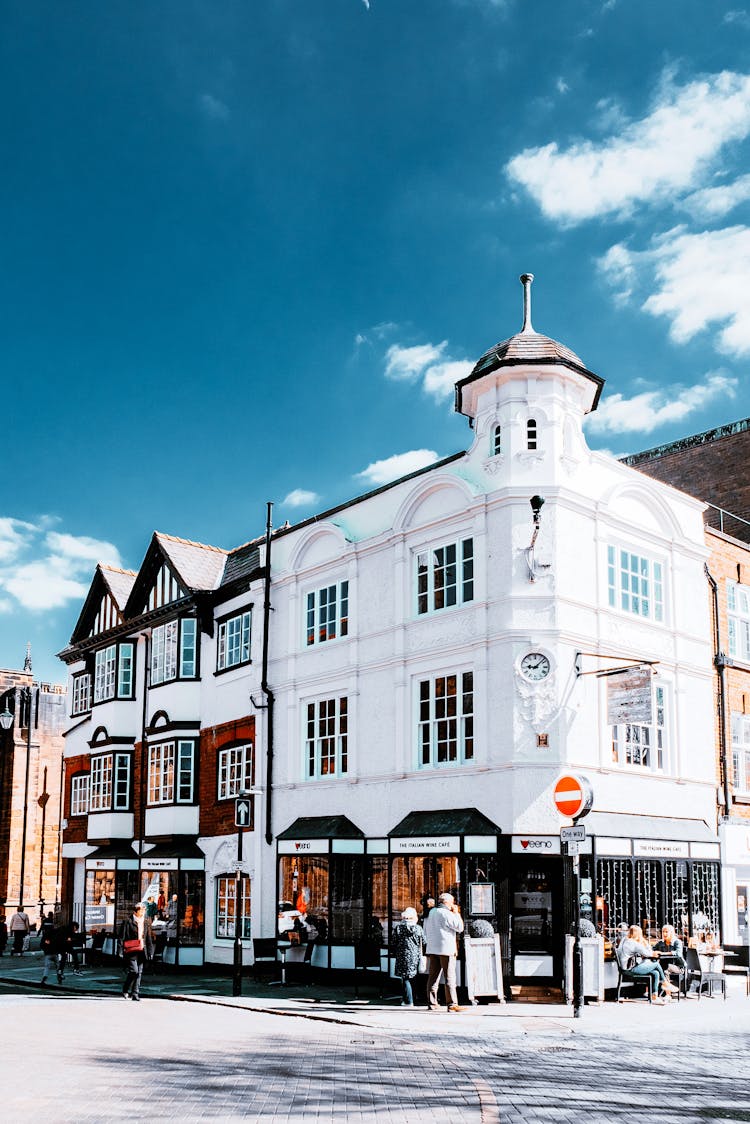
x,y
527,347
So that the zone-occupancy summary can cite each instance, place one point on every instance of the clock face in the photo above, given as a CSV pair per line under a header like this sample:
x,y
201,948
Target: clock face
x,y
535,666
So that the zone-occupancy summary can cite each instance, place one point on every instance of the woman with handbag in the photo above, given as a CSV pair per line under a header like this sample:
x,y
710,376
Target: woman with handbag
x,y
407,947
133,951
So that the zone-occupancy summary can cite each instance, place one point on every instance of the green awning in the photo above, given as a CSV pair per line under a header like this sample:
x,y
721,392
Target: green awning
x,y
449,821
322,827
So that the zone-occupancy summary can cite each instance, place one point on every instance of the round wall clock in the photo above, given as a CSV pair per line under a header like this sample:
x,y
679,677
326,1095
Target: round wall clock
x,y
535,666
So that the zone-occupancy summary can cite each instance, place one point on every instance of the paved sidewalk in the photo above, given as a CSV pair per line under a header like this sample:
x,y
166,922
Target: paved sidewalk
x,y
337,1004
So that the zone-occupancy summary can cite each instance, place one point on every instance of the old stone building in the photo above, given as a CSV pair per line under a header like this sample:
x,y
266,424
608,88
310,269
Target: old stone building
x,y
31,757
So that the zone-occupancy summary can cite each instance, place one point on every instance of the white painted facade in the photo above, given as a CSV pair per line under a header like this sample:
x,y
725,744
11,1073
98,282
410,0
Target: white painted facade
x,y
525,733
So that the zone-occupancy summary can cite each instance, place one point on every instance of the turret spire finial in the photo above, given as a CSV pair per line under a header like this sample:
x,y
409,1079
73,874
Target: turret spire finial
x,y
27,661
526,279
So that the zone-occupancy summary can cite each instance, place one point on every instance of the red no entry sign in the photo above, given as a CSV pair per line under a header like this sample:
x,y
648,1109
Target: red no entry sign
x,y
573,796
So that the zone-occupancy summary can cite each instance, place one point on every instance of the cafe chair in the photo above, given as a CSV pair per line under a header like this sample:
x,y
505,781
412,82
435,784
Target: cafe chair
x,y
264,954
696,973
739,965
626,978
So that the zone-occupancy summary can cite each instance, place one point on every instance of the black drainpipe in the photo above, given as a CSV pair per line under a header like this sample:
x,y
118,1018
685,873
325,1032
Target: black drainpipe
x,y
264,678
720,662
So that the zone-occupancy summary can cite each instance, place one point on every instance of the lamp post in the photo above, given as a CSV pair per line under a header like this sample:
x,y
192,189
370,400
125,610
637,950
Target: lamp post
x,y
26,696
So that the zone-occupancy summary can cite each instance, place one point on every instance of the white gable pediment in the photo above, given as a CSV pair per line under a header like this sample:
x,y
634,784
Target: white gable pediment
x,y
432,502
320,545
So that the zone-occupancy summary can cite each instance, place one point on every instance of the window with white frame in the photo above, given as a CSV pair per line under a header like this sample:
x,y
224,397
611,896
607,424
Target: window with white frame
x,y
635,583
738,620
327,613
173,651
81,692
113,672
233,641
235,770
327,738
496,445
531,434
446,719
109,784
741,753
226,906
641,745
445,576
170,772
79,794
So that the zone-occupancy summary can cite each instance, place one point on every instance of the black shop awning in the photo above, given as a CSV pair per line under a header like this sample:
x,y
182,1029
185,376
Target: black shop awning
x,y
448,821
322,827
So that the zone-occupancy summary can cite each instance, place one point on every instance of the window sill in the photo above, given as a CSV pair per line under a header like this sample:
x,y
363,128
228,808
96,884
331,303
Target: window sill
x,y
234,667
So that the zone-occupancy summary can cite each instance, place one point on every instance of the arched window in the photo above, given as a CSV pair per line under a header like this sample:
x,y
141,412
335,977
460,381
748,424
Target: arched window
x,y
531,434
497,441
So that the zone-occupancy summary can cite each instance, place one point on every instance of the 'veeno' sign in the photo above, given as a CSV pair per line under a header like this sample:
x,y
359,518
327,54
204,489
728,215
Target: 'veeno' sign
x,y
573,796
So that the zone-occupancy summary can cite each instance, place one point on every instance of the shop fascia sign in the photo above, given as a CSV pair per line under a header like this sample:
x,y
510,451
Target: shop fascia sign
x,y
158,864
442,844
657,848
304,846
535,845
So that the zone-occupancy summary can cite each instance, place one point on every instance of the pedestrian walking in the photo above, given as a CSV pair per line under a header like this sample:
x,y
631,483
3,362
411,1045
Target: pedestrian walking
x,y
19,928
441,931
74,944
133,951
407,946
52,944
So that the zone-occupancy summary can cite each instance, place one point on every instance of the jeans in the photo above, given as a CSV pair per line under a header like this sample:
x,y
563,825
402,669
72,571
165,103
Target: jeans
x,y
52,963
653,970
406,992
446,965
134,968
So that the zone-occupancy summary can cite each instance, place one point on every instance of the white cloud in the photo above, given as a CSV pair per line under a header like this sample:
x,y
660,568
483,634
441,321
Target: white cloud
x,y
694,280
561,86
407,363
440,380
300,498
402,464
651,409
737,16
715,202
667,151
45,570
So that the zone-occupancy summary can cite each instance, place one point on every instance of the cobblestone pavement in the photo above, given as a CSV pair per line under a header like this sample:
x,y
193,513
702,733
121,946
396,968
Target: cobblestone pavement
x,y
86,1058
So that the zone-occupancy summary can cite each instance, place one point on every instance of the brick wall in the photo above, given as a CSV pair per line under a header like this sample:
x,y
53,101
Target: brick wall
x,y
710,466
730,561
217,816
75,832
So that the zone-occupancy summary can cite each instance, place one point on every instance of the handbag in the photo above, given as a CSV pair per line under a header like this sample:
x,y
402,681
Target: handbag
x,y
129,947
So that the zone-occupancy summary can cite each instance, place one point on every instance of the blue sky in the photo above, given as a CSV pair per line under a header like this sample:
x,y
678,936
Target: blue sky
x,y
247,248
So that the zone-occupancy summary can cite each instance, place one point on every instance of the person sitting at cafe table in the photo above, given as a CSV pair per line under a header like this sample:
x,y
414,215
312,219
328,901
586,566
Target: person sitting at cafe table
x,y
671,950
639,959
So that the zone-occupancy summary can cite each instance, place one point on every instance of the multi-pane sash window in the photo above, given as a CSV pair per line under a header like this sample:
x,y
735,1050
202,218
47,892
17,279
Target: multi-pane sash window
x,y
445,576
635,584
233,641
327,613
497,441
113,673
738,620
226,906
446,719
327,748
173,651
235,770
170,772
79,794
109,787
642,746
81,694
741,753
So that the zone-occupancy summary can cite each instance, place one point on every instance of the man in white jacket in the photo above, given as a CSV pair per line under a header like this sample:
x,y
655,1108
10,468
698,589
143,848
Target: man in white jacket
x,y
441,931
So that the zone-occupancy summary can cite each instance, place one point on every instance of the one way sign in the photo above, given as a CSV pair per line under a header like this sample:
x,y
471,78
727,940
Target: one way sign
x,y
242,812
